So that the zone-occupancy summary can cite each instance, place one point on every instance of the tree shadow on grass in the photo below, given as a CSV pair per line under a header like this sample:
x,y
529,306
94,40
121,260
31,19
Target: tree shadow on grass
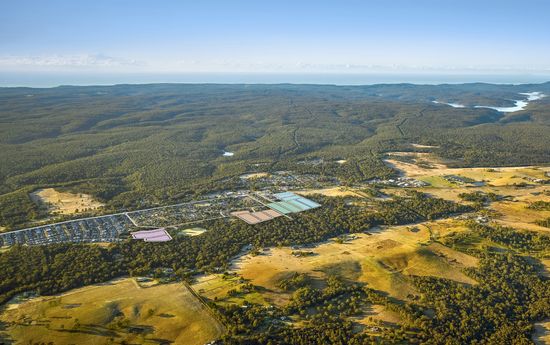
x,y
91,330
5,338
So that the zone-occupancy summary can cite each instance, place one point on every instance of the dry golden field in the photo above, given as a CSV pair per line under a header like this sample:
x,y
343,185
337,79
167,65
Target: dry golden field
x,y
382,260
333,192
110,313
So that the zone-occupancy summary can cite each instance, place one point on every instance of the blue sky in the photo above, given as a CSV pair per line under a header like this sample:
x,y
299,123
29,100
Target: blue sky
x,y
274,36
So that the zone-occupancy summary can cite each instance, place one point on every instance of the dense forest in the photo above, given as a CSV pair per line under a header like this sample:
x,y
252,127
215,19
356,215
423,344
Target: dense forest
x,y
138,145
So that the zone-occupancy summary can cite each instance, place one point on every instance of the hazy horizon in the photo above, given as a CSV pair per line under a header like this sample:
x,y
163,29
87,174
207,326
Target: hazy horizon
x,y
46,80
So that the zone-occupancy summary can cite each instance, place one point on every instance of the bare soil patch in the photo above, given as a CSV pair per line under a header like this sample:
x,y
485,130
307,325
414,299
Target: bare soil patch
x,y
64,202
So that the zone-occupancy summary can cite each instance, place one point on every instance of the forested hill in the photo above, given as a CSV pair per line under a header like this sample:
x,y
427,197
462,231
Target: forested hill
x,y
129,143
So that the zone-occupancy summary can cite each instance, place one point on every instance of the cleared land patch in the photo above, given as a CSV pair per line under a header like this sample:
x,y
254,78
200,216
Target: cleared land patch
x,y
382,260
419,146
333,192
518,215
377,315
519,187
121,310
512,211
64,202
226,289
253,176
496,176
192,231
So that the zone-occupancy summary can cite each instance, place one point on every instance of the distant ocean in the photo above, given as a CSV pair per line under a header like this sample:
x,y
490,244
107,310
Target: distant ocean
x,y
11,79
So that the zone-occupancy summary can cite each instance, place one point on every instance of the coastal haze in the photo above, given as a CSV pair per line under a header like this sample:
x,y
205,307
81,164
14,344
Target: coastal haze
x,y
50,79
351,172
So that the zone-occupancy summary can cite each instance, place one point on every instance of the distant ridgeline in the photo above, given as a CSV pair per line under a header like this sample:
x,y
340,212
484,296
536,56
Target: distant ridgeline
x,y
133,146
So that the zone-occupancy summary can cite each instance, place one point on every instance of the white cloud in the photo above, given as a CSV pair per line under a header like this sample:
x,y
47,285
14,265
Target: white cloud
x,y
106,63
65,61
